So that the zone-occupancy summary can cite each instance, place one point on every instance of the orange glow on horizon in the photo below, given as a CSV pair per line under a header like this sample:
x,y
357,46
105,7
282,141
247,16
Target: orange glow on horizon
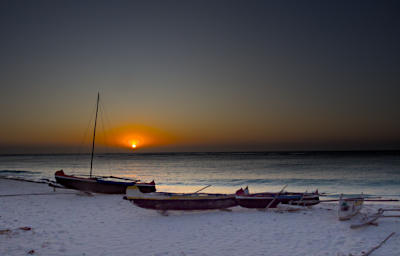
x,y
138,136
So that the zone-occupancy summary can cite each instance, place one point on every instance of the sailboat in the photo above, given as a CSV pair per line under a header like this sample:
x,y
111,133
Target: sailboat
x,y
100,184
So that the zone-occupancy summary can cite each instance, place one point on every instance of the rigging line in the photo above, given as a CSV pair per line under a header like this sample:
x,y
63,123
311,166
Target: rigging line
x,y
105,120
106,123
94,133
85,135
104,134
103,125
105,114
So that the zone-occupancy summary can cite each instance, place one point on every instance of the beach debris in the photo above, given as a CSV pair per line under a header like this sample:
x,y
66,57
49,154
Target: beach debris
x,y
84,193
25,228
12,231
289,208
163,212
225,210
31,252
4,231
379,245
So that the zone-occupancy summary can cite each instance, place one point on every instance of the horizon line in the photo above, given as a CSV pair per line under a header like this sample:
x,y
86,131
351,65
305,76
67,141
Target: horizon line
x,y
215,152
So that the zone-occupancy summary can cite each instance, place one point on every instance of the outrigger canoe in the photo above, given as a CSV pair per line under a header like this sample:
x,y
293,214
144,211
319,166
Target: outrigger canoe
x,y
271,200
306,199
164,201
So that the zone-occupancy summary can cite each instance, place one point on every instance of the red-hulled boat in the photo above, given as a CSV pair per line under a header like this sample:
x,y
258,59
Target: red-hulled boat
x,y
105,185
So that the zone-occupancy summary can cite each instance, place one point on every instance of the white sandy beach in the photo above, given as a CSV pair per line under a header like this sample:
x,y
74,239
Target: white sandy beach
x,y
73,224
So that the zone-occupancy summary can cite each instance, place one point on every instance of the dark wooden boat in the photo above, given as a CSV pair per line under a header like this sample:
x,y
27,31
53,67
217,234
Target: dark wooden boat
x,y
306,199
105,185
258,200
271,200
179,201
99,184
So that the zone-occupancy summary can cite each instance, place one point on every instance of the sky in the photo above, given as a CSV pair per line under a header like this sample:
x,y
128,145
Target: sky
x,y
199,75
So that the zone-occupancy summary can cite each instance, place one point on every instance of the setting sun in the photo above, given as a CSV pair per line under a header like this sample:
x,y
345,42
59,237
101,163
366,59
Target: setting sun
x,y
133,145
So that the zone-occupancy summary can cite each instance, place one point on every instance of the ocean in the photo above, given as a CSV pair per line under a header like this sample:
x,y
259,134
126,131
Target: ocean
x,y
370,173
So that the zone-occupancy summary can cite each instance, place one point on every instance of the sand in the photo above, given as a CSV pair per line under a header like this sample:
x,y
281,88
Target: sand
x,y
69,223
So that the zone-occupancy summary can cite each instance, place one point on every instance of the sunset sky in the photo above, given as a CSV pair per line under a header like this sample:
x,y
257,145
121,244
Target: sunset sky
x,y
200,75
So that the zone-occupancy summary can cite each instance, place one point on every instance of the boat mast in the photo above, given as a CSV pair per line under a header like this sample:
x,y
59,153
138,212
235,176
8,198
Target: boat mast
x,y
94,134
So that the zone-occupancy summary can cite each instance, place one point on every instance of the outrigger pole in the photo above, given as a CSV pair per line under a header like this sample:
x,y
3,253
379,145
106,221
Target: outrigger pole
x,y
94,134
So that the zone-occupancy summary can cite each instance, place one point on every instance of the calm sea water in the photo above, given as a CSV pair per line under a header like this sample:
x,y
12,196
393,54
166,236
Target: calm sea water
x,y
375,173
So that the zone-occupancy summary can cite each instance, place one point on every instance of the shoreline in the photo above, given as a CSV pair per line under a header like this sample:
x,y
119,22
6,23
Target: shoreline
x,y
73,224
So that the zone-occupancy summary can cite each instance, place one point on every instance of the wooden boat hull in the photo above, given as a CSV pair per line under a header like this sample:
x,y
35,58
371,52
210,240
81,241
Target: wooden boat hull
x,y
271,200
176,201
91,186
185,205
307,199
256,202
96,185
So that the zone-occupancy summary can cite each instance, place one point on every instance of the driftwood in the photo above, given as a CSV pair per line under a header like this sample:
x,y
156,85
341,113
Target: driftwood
x,y
379,245
25,228
7,231
4,231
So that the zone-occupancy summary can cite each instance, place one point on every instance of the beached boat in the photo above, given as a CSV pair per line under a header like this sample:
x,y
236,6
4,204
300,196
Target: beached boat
x,y
259,200
306,199
271,200
349,207
164,201
98,184
101,184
